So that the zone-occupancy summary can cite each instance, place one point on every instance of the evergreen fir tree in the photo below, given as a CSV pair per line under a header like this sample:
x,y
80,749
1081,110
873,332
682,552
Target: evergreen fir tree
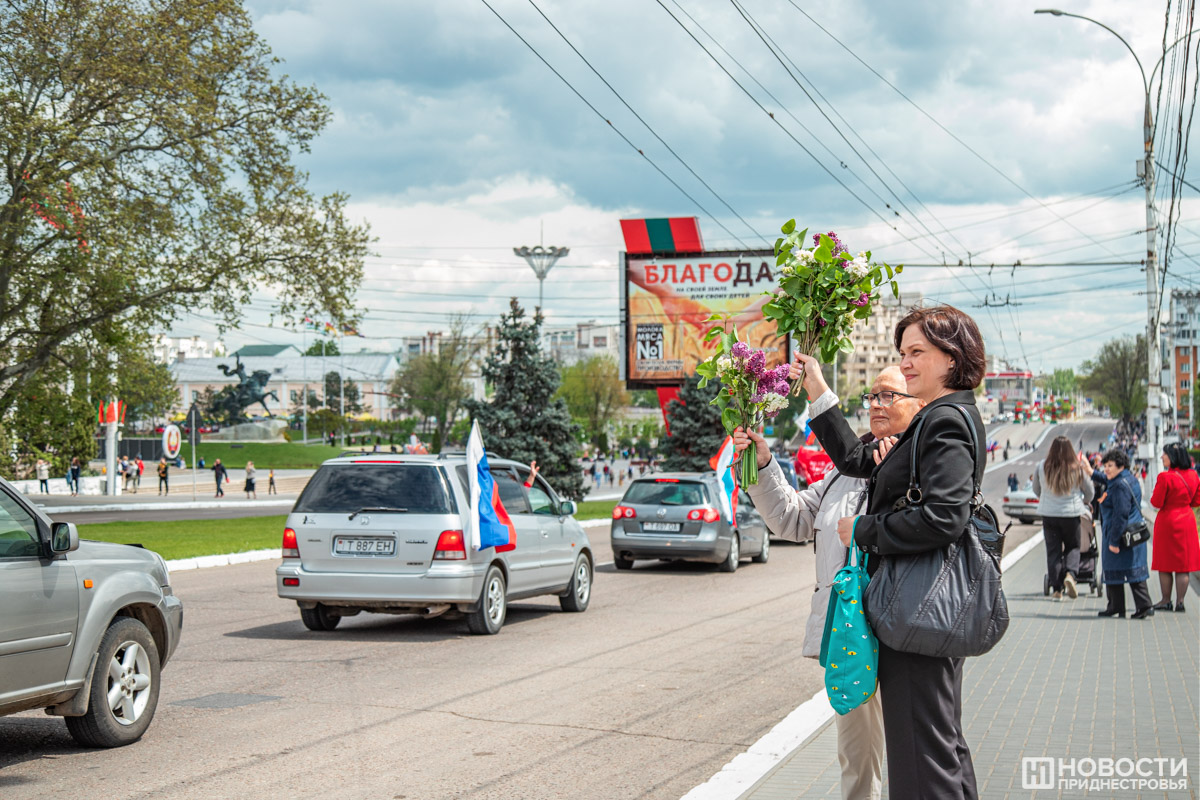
x,y
524,421
696,432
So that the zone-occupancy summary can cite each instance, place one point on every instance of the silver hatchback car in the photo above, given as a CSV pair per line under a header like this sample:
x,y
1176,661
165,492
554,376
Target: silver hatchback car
x,y
677,516
385,533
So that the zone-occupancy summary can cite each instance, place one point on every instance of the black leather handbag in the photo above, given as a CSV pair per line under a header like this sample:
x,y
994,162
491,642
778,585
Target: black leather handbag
x,y
1135,533
947,602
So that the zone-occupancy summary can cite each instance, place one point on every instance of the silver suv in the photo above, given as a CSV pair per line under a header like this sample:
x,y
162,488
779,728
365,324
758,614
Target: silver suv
x,y
85,627
385,533
676,516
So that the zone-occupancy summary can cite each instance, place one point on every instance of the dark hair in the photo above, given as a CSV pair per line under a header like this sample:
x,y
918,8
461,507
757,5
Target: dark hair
x,y
1177,455
1117,457
956,335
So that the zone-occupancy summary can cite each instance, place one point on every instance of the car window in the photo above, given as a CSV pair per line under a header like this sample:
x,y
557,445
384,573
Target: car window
x,y
666,492
744,500
346,488
18,530
512,493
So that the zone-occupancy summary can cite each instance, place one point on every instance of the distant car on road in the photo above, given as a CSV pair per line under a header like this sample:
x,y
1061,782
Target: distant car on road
x,y
789,473
1023,506
676,516
385,533
85,627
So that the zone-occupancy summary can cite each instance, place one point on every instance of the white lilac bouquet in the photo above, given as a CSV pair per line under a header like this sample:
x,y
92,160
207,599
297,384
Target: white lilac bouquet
x,y
823,291
750,393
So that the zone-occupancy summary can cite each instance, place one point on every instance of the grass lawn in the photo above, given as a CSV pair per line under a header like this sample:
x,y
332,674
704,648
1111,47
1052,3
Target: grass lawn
x,y
190,538
265,455
595,509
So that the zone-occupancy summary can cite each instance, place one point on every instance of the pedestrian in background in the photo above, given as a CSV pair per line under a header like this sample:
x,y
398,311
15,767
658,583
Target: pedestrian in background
x,y
1176,542
249,488
164,471
43,476
271,482
813,514
139,468
942,359
222,475
1121,506
126,471
73,475
1013,482
1063,485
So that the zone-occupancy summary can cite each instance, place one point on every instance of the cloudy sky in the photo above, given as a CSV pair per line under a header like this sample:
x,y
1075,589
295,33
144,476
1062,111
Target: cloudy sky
x,y
457,142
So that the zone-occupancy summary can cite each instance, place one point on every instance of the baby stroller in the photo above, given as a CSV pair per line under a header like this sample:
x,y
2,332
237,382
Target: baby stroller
x,y
1089,554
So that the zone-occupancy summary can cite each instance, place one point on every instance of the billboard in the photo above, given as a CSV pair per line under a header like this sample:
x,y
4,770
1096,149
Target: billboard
x,y
666,299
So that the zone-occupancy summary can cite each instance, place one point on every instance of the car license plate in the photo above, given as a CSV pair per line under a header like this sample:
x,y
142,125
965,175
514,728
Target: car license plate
x,y
663,527
363,546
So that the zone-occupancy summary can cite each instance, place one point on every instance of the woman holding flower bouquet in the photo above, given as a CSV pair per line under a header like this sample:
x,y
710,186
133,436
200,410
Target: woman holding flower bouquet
x,y
813,513
942,359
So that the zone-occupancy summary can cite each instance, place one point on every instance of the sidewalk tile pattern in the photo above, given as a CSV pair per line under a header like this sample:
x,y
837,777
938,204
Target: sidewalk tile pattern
x,y
1063,683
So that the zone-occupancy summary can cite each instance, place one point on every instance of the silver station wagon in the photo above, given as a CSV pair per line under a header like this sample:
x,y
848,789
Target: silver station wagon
x,y
385,533
677,516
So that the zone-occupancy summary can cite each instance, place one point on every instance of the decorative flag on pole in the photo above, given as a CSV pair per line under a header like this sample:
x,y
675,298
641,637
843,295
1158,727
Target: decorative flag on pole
x,y
490,524
722,462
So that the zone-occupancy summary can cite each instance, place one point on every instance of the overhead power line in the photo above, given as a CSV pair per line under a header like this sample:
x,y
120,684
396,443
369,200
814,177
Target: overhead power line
x,y
608,122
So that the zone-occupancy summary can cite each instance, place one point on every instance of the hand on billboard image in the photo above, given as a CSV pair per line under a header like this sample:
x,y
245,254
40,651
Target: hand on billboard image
x,y
823,292
751,393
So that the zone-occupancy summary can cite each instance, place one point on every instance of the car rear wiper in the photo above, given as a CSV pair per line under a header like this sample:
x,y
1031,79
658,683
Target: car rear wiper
x,y
379,510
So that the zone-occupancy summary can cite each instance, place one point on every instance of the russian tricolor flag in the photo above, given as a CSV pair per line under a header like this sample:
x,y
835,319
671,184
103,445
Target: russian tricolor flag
x,y
491,525
722,462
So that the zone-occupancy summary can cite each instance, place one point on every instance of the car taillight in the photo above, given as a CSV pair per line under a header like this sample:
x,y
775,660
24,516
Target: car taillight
x,y
711,515
1031,499
1006,499
290,548
624,512
450,547
695,514
291,581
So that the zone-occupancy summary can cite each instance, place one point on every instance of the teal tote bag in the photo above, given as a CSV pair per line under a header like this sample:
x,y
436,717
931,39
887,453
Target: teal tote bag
x,y
849,650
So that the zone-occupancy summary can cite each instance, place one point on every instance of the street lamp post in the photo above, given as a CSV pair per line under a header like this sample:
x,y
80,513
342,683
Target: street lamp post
x,y
541,259
1154,432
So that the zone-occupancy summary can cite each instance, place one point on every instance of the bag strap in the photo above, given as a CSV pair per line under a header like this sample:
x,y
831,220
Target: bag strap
x,y
914,493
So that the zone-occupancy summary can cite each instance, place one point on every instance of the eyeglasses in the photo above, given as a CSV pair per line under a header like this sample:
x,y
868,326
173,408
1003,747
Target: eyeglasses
x,y
883,398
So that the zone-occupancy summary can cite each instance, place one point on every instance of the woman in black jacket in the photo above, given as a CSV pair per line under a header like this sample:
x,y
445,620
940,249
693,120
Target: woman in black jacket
x,y
942,359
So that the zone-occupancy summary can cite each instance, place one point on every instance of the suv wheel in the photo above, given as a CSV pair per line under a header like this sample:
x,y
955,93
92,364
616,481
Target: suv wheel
x,y
730,564
580,591
621,562
124,691
493,604
765,552
319,618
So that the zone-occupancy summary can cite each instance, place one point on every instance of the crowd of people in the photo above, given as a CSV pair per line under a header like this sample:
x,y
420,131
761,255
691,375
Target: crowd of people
x,y
130,471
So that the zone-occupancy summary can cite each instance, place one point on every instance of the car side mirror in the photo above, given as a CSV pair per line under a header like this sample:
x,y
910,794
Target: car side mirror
x,y
567,508
64,537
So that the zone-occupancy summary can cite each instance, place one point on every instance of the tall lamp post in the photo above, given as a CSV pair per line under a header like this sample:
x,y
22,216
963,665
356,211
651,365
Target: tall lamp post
x,y
541,259
1145,170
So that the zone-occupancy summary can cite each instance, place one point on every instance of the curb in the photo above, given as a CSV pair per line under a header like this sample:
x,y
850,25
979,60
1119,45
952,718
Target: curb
x,y
99,508
748,769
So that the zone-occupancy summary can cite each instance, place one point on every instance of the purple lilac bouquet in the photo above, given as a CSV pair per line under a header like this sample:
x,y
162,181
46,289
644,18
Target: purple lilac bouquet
x,y
750,393
823,291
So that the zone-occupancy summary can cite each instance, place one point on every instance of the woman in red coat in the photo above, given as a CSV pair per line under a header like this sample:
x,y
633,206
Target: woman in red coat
x,y
1176,542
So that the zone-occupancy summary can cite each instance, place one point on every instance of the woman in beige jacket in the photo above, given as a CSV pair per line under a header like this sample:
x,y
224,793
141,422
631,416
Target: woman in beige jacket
x,y
813,513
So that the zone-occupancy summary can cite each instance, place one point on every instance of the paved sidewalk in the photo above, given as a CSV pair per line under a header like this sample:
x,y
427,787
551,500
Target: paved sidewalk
x,y
1062,684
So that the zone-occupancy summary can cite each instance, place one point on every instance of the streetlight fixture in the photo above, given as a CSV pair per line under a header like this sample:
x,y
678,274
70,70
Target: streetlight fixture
x,y
1145,171
541,260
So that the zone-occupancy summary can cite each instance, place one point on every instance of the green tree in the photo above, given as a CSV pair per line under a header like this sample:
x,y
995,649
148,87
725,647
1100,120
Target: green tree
x,y
146,387
594,393
148,168
323,347
524,420
1117,376
436,383
333,394
1060,383
48,422
643,398
696,432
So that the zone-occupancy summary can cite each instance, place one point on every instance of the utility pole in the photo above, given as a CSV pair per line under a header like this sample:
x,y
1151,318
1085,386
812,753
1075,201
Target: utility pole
x,y
342,388
1145,171
112,418
304,394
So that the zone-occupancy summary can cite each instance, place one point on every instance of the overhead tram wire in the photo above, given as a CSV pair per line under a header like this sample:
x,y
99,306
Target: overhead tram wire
x,y
616,130
645,124
931,118
781,126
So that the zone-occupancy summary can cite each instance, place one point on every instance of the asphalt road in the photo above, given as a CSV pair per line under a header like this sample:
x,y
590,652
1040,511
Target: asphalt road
x,y
672,671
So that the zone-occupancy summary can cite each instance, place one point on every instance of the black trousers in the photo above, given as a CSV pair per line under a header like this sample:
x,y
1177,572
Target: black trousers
x,y
1116,597
1062,548
927,756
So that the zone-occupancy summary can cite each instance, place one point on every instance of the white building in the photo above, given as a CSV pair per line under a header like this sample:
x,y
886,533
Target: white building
x,y
1181,338
289,376
570,344
874,348
168,349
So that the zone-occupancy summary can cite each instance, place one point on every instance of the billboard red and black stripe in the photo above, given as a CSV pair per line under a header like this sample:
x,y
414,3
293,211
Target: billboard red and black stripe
x,y
671,235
